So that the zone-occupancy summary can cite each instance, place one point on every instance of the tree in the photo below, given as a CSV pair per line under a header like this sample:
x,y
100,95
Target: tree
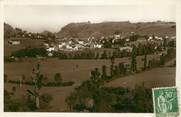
x,y
23,78
133,59
18,32
95,77
116,70
162,59
164,43
107,43
104,72
37,79
145,59
14,89
45,100
112,70
104,55
97,55
145,62
122,70
112,66
140,49
142,98
95,74
112,60
58,77
150,64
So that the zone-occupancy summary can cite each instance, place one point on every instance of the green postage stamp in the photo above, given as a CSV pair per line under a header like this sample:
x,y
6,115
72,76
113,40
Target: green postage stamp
x,y
165,102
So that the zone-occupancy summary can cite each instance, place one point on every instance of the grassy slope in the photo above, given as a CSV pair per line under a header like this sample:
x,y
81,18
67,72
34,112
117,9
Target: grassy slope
x,y
160,76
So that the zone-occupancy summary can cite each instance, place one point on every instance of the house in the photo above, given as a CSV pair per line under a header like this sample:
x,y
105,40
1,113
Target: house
x,y
68,47
70,42
127,49
46,45
117,36
50,54
97,46
29,34
50,49
166,37
173,37
102,37
14,42
150,38
81,42
127,39
156,37
75,48
160,38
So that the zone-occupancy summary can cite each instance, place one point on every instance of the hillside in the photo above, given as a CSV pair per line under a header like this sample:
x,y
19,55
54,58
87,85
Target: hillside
x,y
8,30
85,30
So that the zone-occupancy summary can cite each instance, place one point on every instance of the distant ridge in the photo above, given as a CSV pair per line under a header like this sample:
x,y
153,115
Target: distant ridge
x,y
87,29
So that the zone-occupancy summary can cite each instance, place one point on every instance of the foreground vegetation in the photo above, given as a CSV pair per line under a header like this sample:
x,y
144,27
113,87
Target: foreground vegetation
x,y
90,97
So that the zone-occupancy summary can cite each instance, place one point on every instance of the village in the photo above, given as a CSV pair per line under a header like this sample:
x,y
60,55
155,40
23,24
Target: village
x,y
122,41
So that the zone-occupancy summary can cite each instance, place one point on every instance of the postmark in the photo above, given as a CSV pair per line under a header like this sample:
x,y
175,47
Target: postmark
x,y
165,102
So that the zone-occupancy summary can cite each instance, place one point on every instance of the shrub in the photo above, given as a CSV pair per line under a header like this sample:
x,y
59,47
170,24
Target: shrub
x,y
28,83
9,59
70,83
14,89
46,98
58,77
55,84
14,81
32,52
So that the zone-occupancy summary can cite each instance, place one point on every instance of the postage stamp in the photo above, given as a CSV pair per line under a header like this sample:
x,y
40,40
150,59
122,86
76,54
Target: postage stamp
x,y
165,102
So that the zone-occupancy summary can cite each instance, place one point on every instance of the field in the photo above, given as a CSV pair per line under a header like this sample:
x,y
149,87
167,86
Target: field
x,y
25,42
158,77
76,70
79,71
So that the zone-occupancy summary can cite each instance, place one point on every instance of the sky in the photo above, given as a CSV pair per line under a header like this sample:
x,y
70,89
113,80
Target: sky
x,y
37,18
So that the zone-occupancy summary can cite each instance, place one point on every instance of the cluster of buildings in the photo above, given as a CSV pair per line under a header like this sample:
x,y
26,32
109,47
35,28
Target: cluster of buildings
x,y
14,42
71,45
75,44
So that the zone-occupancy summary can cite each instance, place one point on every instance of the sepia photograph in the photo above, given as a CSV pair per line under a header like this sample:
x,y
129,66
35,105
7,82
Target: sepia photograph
x,y
87,58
